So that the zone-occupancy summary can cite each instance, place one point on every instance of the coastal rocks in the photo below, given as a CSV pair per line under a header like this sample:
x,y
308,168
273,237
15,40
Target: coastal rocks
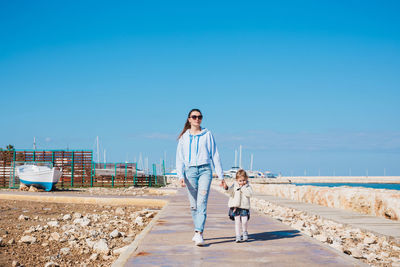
x,y
376,202
67,217
115,234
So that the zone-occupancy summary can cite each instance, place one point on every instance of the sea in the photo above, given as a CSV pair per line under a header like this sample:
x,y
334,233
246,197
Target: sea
x,y
367,185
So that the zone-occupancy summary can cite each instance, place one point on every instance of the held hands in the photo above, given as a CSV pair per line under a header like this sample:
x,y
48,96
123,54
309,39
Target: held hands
x,y
224,185
182,182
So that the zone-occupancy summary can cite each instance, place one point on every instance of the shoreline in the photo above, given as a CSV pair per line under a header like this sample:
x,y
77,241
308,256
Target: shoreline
x,y
345,179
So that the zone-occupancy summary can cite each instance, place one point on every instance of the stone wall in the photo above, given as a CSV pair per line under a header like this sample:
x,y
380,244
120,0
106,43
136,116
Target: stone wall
x,y
376,202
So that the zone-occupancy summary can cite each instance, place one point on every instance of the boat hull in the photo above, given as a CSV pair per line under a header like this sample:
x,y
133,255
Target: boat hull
x,y
41,177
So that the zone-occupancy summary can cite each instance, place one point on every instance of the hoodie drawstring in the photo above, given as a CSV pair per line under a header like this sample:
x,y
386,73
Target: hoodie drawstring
x,y
190,148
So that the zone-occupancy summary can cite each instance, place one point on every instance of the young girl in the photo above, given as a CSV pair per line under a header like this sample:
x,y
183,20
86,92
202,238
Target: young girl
x,y
239,203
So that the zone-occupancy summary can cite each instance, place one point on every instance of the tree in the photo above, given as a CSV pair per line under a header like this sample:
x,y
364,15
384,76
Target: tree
x,y
10,147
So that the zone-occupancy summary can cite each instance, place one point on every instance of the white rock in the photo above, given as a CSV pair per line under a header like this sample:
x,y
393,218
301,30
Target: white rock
x,y
150,215
89,243
77,215
55,236
82,221
101,247
93,257
23,217
53,224
11,241
139,221
30,230
65,251
115,234
106,258
369,240
51,264
28,239
119,251
384,255
356,253
93,233
370,257
67,217
45,244
321,238
1,242
119,211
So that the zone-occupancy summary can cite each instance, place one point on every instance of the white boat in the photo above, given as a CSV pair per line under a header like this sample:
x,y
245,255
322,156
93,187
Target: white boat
x,y
231,173
255,174
40,176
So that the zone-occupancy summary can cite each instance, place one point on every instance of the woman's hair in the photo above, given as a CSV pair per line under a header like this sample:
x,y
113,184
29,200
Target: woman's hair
x,y
187,123
242,174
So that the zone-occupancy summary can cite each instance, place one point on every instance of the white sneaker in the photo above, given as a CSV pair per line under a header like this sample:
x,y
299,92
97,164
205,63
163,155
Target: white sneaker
x,y
198,239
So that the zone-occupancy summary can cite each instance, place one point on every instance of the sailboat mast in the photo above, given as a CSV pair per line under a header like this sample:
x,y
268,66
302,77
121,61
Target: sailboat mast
x,y
240,156
98,149
235,158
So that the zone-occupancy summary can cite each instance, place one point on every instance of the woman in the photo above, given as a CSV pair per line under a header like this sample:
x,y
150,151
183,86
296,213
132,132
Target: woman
x,y
195,153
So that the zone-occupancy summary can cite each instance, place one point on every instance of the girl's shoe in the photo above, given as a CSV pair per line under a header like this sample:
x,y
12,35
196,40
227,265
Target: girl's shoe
x,y
238,239
198,239
245,236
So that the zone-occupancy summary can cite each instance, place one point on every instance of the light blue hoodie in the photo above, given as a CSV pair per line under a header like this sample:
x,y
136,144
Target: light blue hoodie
x,y
196,150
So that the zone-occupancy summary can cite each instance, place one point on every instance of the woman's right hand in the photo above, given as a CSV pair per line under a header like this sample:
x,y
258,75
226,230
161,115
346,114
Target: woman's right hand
x,y
182,182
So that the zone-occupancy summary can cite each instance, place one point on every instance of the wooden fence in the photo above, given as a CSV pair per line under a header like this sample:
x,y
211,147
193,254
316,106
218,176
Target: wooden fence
x,y
77,167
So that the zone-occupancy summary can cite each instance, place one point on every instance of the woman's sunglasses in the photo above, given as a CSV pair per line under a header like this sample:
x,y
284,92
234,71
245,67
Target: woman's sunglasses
x,y
194,117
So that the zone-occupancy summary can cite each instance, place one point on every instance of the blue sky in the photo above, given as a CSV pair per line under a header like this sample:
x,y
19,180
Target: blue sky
x,y
305,86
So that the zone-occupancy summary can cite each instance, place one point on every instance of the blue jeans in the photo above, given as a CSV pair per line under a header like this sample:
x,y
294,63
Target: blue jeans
x,y
198,181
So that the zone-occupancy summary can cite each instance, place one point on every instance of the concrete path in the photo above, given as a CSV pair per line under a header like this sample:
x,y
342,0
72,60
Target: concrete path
x,y
270,242
373,224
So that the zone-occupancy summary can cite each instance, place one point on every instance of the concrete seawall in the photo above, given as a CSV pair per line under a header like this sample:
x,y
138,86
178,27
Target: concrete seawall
x,y
344,179
376,202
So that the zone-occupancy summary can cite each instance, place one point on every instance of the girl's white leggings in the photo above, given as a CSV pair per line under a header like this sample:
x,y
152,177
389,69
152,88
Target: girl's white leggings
x,y
243,220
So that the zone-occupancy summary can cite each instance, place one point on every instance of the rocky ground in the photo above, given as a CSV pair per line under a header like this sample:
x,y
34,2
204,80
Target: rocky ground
x,y
117,191
51,234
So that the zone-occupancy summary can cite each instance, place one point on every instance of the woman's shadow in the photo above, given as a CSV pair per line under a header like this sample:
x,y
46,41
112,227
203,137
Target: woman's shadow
x,y
256,237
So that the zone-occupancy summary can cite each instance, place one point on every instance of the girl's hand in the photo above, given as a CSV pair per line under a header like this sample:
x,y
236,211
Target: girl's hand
x,y
182,182
224,185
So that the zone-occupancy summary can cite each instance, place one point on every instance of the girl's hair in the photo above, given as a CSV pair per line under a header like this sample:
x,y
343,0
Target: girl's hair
x,y
242,174
187,123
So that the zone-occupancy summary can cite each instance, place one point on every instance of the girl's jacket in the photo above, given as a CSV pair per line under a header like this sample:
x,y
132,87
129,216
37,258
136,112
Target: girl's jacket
x,y
239,197
196,150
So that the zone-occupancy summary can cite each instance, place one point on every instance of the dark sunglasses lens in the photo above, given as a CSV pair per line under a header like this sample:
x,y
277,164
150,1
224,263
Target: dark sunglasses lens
x,y
194,117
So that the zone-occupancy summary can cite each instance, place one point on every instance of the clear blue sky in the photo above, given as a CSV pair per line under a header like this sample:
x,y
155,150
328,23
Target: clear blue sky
x,y
303,85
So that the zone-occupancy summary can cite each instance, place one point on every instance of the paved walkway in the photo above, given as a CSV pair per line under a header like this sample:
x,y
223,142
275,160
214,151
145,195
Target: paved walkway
x,y
270,242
